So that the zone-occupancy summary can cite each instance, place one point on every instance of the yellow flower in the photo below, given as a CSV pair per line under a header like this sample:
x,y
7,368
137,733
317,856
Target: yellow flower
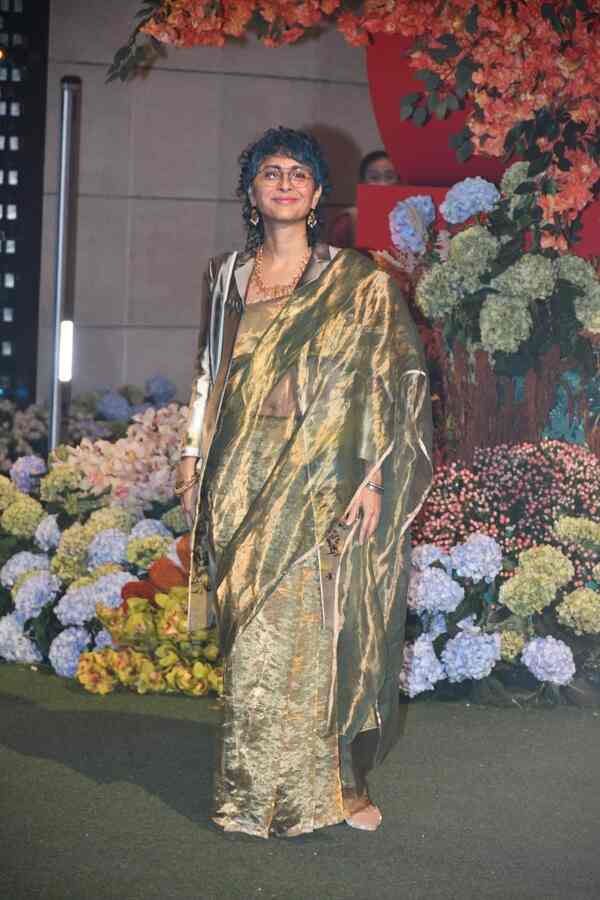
x,y
23,516
138,628
150,679
511,645
201,671
547,561
70,561
179,678
166,655
580,610
142,552
94,672
8,492
110,517
211,652
578,530
215,680
525,594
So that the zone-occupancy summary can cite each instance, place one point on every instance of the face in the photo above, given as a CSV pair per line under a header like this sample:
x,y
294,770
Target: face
x,y
284,190
381,172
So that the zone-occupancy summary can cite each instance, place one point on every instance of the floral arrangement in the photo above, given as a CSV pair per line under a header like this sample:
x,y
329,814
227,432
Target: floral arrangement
x,y
136,471
522,496
486,278
99,415
64,550
530,72
477,618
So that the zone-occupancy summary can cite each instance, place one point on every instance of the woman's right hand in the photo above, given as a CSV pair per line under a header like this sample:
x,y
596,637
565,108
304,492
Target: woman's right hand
x,y
185,472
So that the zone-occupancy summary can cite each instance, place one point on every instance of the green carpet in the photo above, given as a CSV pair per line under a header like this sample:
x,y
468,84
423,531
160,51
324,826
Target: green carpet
x,y
107,799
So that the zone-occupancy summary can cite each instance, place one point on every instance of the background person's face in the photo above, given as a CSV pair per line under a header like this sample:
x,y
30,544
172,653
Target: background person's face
x,y
381,172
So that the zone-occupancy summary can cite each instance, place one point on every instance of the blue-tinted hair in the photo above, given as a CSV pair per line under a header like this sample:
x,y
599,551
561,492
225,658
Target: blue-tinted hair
x,y
298,145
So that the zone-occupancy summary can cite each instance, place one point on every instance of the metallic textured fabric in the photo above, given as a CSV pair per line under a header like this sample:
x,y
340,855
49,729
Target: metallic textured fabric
x,y
279,768
346,343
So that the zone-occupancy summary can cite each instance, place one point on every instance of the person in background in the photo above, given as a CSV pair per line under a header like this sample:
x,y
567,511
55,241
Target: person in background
x,y
375,168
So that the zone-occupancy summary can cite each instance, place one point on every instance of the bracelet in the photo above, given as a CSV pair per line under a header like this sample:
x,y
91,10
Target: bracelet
x,y
373,486
182,486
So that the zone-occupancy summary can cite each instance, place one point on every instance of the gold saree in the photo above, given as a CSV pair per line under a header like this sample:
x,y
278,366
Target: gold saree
x,y
312,623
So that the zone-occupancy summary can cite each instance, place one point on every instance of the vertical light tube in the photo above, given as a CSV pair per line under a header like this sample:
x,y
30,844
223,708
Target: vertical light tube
x,y
65,249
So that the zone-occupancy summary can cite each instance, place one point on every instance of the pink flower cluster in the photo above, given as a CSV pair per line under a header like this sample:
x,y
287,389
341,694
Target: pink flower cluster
x,y
138,469
515,494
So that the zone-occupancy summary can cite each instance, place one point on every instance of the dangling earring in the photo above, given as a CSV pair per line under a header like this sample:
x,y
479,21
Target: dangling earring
x,y
311,219
254,217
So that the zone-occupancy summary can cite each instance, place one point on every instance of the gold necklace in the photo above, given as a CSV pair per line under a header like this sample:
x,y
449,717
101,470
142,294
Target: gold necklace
x,y
274,291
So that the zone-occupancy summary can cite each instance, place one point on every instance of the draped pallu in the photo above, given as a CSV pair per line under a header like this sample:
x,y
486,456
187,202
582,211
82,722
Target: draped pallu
x,y
346,347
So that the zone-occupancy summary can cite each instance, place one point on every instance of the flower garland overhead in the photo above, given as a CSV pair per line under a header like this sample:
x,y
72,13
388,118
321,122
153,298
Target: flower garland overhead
x,y
530,72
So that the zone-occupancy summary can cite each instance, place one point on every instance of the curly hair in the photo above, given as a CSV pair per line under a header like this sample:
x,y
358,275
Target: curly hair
x,y
298,145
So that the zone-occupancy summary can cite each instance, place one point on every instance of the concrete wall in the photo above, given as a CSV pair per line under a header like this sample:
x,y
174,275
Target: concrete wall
x,y
158,176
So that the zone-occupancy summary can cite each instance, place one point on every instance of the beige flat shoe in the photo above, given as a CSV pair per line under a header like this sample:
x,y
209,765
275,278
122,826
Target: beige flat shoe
x,y
368,818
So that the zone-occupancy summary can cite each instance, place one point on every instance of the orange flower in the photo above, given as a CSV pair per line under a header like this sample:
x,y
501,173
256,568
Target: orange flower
x,y
142,589
165,575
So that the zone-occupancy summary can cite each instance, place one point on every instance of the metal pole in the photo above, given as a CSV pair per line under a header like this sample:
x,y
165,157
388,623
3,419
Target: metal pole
x,y
65,242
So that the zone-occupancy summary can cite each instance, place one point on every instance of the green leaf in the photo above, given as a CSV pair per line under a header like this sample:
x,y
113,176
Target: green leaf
x,y
420,116
537,166
471,20
410,99
464,73
406,112
465,151
526,187
431,79
452,103
441,109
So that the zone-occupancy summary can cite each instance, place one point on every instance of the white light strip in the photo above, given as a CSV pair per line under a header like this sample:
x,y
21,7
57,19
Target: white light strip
x,y
65,359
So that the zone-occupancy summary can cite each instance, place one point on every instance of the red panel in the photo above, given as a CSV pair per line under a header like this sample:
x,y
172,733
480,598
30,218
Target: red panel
x,y
421,155
375,203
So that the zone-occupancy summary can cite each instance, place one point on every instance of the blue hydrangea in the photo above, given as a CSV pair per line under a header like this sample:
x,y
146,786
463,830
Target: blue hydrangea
x,y
421,669
409,221
470,655
434,624
114,407
34,594
479,558
434,590
107,589
15,646
103,639
468,198
149,527
549,659
425,555
108,546
160,389
77,605
47,534
20,563
27,471
65,650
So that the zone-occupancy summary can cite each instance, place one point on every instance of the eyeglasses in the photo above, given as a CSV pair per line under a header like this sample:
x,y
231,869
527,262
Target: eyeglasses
x,y
298,177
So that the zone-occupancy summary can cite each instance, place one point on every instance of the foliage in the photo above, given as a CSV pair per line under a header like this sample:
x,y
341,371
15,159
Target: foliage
x,y
530,72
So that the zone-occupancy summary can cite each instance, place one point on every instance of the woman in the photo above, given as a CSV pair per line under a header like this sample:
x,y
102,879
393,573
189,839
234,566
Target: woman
x,y
312,368
375,168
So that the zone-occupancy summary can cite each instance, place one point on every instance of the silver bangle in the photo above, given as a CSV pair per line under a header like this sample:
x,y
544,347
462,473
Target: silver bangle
x,y
373,486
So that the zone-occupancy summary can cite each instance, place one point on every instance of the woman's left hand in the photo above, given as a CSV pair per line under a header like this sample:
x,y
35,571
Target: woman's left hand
x,y
367,507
